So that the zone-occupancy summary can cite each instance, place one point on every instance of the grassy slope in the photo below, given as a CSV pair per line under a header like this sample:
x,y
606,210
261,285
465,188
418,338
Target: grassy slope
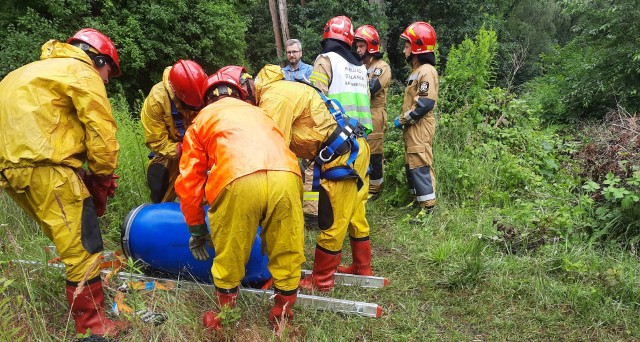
x,y
452,279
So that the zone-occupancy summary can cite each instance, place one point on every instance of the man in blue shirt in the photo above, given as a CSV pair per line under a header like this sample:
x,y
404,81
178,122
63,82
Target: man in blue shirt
x,y
296,69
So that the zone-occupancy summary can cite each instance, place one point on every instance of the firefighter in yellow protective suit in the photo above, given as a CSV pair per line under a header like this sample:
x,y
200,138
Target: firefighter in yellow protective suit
x,y
167,112
56,117
301,113
417,120
367,44
339,74
236,158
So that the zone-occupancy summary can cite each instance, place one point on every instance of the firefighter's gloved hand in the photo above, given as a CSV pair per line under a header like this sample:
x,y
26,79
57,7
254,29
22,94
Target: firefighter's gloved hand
x,y
198,241
114,185
101,187
396,122
179,150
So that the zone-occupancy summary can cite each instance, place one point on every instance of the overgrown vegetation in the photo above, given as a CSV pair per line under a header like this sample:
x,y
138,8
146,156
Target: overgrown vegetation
x,y
537,227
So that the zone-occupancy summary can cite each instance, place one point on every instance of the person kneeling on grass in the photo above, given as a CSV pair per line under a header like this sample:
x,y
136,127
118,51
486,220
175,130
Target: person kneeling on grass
x,y
235,156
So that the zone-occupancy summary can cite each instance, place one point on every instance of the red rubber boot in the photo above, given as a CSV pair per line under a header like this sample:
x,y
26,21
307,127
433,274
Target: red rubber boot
x,y
324,266
361,252
281,312
210,318
87,308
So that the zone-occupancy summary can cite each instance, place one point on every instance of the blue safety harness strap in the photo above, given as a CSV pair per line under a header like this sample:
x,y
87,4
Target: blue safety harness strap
x,y
343,140
177,119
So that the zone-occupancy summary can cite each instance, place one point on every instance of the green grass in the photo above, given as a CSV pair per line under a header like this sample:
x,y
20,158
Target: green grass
x,y
451,280
453,275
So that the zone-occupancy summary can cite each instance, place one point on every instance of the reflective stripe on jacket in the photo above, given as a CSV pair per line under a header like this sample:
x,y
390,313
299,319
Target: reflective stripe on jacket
x,y
56,111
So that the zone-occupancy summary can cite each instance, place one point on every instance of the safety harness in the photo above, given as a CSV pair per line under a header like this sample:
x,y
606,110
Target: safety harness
x,y
343,139
177,119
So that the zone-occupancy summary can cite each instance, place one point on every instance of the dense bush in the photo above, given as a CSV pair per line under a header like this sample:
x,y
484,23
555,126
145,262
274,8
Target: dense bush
x,y
599,69
149,35
491,150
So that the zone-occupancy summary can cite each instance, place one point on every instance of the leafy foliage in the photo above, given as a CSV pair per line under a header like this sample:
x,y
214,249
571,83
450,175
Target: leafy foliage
x,y
8,332
530,28
149,35
600,67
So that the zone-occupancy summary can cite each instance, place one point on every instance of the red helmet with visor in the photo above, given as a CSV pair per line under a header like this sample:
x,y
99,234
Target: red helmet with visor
x,y
421,36
369,34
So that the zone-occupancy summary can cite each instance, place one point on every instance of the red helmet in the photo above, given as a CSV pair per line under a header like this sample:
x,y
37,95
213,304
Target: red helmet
x,y
186,78
369,34
240,75
225,84
100,42
421,36
339,28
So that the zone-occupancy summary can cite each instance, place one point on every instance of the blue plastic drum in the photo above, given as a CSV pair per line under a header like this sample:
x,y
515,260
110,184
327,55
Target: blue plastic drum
x,y
156,235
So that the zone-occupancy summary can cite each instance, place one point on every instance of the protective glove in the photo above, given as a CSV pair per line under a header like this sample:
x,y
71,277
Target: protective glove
x,y
85,176
114,185
179,150
198,241
101,187
396,122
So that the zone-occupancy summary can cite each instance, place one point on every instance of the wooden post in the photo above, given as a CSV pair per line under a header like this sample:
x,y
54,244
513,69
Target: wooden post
x,y
276,28
284,19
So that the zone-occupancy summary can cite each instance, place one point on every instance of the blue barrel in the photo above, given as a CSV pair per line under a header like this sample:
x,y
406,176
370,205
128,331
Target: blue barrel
x,y
156,235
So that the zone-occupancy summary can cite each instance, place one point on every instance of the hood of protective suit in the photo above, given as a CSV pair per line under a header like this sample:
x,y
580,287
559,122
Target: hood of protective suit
x,y
165,81
269,74
57,49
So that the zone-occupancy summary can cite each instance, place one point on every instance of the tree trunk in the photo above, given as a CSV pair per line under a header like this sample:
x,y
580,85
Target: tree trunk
x,y
276,28
383,42
284,19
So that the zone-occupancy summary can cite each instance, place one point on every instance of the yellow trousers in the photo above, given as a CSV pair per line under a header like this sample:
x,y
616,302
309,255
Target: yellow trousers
x,y
273,200
347,204
58,200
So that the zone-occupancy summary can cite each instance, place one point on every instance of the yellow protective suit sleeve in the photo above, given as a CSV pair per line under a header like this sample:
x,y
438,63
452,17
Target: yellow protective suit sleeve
x,y
159,131
382,72
94,111
425,85
298,111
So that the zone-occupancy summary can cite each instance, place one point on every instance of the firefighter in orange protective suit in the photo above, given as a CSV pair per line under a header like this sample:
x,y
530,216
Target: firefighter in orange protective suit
x,y
310,130
417,120
59,118
167,112
367,44
236,158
